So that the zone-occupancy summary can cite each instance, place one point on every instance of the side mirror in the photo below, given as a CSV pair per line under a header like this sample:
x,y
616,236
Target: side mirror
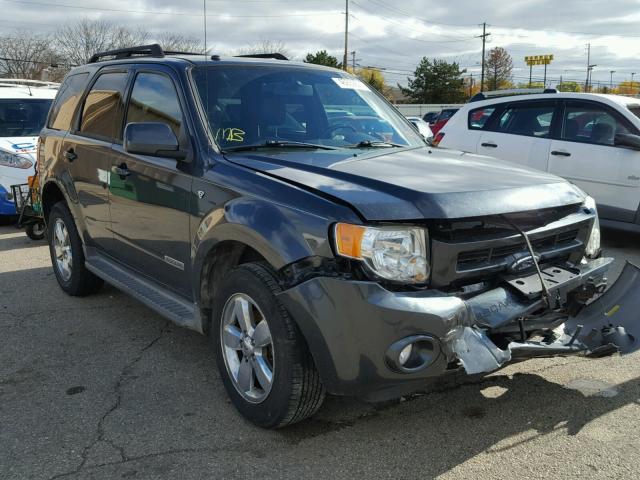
x,y
627,140
152,138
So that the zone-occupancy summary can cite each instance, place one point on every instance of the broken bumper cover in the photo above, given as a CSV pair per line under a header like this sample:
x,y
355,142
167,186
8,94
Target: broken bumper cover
x,y
351,325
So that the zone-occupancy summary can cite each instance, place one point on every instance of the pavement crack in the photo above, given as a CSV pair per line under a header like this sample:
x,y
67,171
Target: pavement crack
x,y
100,435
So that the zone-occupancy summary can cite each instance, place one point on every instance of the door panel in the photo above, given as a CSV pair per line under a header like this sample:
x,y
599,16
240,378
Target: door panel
x,y
150,196
585,154
520,133
150,217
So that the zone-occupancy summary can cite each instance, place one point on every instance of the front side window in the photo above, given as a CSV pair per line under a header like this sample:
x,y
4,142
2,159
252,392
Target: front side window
x,y
478,118
102,111
23,117
250,105
154,99
66,101
528,119
590,123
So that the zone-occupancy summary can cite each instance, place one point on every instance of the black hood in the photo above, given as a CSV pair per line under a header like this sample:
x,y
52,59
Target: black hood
x,y
415,183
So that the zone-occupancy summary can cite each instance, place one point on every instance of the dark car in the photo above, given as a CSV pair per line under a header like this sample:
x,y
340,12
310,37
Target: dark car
x,y
430,117
442,119
319,253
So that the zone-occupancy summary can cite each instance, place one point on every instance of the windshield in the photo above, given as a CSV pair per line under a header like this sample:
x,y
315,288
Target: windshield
x,y
257,105
23,117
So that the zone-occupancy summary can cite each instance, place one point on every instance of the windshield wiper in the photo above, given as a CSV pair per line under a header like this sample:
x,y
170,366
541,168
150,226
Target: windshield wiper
x,y
375,144
278,144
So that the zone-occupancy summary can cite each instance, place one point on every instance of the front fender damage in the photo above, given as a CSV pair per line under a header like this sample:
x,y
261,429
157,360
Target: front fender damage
x,y
609,324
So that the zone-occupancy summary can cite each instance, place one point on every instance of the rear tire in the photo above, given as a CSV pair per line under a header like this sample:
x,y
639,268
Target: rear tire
x,y
293,391
67,256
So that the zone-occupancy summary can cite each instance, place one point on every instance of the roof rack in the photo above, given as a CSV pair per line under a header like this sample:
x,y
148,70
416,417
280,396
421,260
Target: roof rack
x,y
153,50
25,82
509,93
276,56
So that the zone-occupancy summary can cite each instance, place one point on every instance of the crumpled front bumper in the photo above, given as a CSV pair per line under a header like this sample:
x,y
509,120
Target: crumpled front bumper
x,y
351,325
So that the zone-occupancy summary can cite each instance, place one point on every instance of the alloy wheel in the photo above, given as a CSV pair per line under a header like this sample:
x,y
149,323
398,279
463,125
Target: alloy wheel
x,y
62,249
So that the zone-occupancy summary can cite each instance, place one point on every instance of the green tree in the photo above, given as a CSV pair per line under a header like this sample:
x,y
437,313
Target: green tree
x,y
569,87
323,58
436,81
498,64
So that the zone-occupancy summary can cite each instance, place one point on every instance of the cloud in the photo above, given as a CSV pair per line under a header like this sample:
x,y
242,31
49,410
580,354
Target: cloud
x,y
384,33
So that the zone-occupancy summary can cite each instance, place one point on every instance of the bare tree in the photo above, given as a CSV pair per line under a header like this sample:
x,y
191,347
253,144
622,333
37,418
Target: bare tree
x,y
25,55
177,42
77,42
266,46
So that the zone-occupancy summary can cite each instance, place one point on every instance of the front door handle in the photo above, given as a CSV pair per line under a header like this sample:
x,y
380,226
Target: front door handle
x,y
560,153
489,145
122,170
70,155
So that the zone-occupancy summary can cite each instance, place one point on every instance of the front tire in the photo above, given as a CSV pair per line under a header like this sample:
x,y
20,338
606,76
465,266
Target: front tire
x,y
263,359
67,255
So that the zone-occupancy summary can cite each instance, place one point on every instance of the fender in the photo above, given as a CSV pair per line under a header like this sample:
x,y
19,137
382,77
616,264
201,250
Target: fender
x,y
281,234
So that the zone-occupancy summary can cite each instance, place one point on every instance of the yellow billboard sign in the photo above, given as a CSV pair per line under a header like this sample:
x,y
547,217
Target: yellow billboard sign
x,y
538,60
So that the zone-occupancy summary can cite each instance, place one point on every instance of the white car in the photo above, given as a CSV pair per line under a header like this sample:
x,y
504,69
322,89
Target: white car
x,y
422,126
593,140
24,105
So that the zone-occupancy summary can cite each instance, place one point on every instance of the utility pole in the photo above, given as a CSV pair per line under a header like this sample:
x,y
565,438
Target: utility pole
x,y
346,35
353,61
632,75
586,84
611,79
484,40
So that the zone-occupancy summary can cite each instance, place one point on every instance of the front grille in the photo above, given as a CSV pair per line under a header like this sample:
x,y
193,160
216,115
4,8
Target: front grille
x,y
487,256
479,256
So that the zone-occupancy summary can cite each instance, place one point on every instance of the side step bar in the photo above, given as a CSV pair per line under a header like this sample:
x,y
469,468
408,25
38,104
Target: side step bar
x,y
166,303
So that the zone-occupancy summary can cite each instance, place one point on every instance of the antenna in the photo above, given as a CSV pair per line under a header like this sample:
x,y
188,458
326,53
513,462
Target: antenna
x,y
204,9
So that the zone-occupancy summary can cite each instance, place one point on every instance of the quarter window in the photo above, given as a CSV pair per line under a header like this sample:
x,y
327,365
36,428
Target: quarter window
x,y
102,111
591,123
478,118
154,99
66,101
532,120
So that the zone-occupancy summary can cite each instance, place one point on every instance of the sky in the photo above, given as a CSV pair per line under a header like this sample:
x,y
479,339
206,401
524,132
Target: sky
x,y
389,34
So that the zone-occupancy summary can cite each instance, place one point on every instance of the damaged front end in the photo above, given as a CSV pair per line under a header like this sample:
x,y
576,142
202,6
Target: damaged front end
x,y
519,321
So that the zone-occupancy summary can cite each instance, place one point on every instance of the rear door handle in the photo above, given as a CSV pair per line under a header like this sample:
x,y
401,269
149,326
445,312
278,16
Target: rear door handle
x,y
559,153
70,155
489,145
122,170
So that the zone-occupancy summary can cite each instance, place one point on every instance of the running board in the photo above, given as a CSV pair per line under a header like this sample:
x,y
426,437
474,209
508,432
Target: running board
x,y
166,303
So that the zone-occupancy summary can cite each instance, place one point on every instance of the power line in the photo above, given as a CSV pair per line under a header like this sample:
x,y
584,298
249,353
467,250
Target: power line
x,y
484,41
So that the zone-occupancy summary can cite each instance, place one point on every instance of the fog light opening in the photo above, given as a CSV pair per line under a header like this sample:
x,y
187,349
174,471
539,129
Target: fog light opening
x,y
412,354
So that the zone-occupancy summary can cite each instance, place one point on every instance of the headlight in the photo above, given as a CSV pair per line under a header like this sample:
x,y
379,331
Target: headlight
x,y
593,245
8,159
393,253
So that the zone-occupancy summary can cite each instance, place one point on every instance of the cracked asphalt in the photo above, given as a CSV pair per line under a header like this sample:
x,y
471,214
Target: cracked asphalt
x,y
104,388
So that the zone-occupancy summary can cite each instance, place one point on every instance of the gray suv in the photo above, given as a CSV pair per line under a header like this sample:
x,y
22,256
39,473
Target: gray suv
x,y
287,211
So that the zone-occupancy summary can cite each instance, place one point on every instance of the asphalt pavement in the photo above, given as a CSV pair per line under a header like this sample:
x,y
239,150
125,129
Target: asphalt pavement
x,y
103,388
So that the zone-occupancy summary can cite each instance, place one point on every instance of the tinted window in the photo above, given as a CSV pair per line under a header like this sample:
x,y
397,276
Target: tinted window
x,y
533,120
66,101
447,114
635,109
246,105
23,117
478,117
102,112
591,123
154,99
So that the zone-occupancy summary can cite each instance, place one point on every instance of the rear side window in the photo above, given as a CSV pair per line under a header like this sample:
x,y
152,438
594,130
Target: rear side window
x,y
23,117
66,101
635,109
154,99
528,119
102,112
478,118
